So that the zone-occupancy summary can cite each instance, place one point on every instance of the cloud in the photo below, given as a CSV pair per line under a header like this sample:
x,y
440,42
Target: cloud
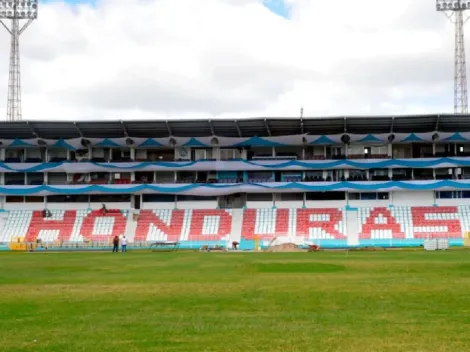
x,y
232,58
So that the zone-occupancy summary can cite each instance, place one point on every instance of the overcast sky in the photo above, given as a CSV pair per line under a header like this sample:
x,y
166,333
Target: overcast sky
x,y
233,58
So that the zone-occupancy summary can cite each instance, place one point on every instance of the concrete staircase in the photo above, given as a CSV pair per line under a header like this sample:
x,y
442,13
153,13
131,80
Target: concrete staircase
x,y
131,226
352,227
237,223
3,220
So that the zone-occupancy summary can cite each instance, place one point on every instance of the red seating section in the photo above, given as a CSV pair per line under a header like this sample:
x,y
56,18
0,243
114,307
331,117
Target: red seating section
x,y
183,225
269,223
77,222
249,228
118,228
414,222
199,228
216,225
371,225
148,218
329,226
379,223
452,227
38,223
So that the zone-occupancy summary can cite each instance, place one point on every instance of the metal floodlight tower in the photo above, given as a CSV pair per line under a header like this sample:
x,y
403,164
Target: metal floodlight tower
x,y
16,10
454,10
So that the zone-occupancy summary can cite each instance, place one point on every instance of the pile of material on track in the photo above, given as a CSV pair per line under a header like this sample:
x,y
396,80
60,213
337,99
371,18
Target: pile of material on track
x,y
285,247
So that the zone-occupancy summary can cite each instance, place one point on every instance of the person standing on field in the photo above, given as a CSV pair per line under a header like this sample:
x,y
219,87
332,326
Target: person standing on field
x,y
116,244
124,244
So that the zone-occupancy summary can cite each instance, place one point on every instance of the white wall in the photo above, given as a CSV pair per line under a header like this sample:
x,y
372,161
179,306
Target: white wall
x,y
452,202
111,205
157,205
412,198
259,205
24,206
289,204
180,205
425,198
325,203
93,206
369,203
64,206
67,206
205,204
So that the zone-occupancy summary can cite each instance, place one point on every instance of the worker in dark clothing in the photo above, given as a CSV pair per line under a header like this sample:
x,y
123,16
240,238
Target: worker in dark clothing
x,y
116,244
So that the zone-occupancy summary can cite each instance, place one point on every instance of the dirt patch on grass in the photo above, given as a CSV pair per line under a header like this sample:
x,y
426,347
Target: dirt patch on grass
x,y
285,247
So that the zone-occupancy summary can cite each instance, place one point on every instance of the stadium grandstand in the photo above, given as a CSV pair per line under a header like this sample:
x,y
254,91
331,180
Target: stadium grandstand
x,y
334,182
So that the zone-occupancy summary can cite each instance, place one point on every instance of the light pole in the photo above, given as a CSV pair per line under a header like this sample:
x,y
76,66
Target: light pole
x,y
16,10
454,10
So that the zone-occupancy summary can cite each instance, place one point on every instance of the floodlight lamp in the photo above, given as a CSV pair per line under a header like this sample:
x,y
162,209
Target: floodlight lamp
x,y
21,10
450,5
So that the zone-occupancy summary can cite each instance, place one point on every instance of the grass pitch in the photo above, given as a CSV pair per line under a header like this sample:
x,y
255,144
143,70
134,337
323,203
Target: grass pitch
x,y
361,301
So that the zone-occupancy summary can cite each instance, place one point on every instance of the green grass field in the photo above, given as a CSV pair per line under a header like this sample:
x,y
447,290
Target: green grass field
x,y
361,301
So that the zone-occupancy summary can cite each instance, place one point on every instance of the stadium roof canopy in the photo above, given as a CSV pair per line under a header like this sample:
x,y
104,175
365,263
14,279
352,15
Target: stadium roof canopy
x,y
249,127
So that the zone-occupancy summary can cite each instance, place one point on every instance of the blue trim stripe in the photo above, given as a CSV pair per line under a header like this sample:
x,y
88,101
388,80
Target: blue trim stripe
x,y
268,165
412,138
245,141
149,142
63,144
323,140
193,142
19,143
223,188
258,142
369,138
107,143
457,137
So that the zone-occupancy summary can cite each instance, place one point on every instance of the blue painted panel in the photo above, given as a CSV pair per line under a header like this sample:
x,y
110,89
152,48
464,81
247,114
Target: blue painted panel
x,y
216,189
258,142
260,165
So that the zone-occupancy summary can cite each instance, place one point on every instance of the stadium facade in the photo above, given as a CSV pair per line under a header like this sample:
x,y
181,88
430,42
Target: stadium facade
x,y
336,182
